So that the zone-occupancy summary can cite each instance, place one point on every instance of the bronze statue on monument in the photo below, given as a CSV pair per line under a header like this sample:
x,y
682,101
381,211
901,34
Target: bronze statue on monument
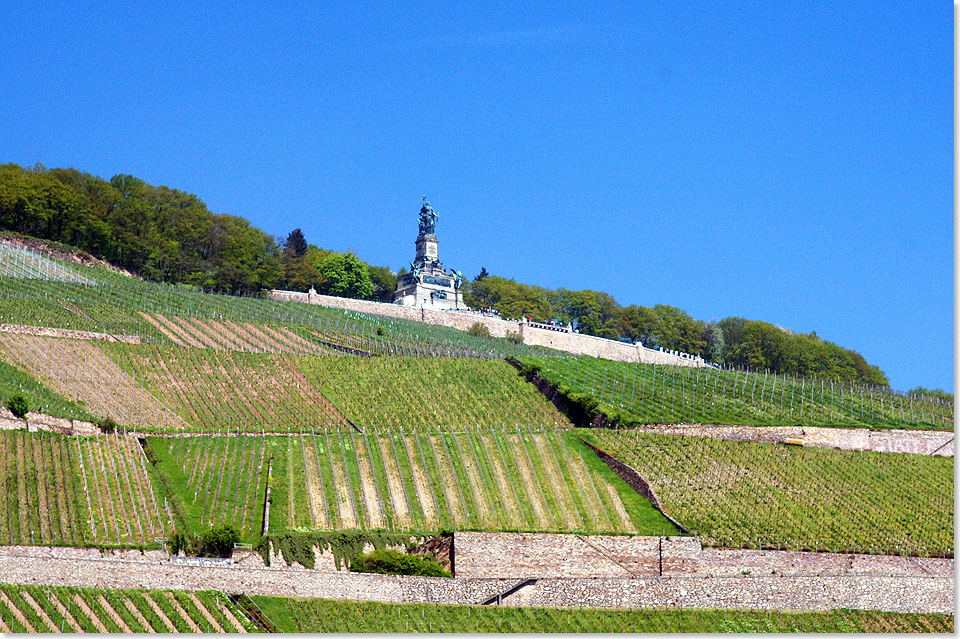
x,y
428,218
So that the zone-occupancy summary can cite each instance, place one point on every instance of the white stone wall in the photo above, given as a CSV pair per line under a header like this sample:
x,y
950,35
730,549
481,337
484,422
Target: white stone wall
x,y
569,342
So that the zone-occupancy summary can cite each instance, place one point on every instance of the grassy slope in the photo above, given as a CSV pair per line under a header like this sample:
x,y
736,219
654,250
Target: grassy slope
x,y
752,494
318,615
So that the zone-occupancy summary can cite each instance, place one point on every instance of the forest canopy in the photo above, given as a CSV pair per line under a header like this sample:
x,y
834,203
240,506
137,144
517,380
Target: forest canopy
x,y
169,235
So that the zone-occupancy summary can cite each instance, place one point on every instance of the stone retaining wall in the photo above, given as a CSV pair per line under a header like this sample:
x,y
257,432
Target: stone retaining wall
x,y
39,421
894,594
521,555
43,331
570,342
131,569
920,442
559,555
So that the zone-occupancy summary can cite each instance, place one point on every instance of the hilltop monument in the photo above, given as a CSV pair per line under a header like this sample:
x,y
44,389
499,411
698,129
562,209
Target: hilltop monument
x,y
428,284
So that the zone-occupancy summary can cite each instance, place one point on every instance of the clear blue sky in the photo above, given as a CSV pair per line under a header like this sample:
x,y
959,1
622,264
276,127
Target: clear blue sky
x,y
783,161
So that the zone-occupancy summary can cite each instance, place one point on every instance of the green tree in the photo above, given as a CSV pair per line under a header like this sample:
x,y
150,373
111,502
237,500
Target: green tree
x,y
344,275
384,283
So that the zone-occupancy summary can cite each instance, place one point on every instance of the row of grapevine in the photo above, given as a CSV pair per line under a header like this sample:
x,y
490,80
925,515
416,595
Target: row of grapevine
x,y
60,609
16,260
648,393
492,479
336,616
754,495
61,490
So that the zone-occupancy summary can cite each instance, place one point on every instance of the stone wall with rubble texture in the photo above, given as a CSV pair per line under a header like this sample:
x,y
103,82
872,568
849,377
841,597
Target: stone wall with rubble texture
x,y
39,421
131,569
920,442
44,331
570,342
547,555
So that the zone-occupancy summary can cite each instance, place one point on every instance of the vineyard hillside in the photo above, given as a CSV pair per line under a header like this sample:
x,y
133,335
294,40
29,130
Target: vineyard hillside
x,y
633,394
492,479
754,495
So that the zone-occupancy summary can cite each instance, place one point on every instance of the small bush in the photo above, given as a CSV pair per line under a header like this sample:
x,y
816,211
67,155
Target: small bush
x,y
18,406
394,562
515,337
108,425
479,330
218,541
179,541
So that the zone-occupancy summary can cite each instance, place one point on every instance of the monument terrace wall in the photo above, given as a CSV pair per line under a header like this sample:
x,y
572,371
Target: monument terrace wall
x,y
530,334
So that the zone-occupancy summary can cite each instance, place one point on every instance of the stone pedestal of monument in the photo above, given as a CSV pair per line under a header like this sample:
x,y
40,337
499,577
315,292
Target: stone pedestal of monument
x,y
428,284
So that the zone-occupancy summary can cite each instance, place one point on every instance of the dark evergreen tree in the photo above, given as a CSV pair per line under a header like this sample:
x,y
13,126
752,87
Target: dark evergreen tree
x,y
296,243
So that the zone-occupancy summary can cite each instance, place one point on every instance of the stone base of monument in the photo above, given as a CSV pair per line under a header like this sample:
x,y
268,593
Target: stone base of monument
x,y
433,291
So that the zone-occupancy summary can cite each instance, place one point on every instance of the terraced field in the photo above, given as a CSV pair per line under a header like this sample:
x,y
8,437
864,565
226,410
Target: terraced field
x,y
342,479
319,615
14,381
57,609
220,391
171,315
60,490
83,372
429,393
647,393
745,494
162,388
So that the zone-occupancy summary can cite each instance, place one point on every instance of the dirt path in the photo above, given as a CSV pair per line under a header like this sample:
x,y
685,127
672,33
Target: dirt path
x,y
557,482
588,493
206,613
625,522
528,480
94,619
157,610
66,614
348,513
507,496
40,612
375,515
133,610
16,612
238,627
420,481
113,614
314,486
398,499
163,329
177,608
181,333
448,477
